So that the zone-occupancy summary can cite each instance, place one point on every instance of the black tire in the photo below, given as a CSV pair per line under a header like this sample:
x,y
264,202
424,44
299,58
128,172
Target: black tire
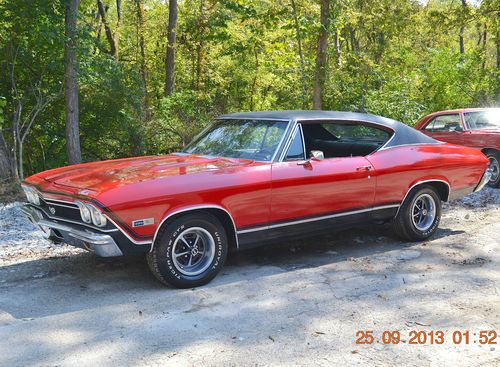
x,y
494,165
411,229
183,235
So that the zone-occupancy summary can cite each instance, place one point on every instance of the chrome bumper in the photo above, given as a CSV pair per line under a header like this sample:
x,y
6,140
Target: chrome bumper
x,y
101,244
484,180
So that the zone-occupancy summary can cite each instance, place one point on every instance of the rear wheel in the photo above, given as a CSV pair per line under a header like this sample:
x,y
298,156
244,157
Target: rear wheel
x,y
419,215
494,166
190,251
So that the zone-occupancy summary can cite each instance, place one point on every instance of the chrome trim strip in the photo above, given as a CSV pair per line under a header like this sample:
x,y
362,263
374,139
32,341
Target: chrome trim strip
x,y
408,145
343,214
192,208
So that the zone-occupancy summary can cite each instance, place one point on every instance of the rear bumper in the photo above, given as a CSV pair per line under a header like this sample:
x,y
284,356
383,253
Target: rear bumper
x,y
101,244
484,180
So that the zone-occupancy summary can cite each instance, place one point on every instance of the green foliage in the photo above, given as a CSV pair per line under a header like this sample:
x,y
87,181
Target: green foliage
x,y
397,58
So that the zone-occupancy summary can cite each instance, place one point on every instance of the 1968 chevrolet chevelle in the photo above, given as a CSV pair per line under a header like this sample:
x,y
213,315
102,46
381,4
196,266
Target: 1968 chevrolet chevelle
x,y
251,178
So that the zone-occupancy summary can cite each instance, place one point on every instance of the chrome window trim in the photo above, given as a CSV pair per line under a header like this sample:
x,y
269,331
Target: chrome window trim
x,y
293,222
288,143
409,145
386,128
193,208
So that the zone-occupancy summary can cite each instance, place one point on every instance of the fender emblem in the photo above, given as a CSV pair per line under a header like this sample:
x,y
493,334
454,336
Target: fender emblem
x,y
143,222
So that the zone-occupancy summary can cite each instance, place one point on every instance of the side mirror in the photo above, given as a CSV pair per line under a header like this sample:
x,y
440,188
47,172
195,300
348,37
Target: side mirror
x,y
316,155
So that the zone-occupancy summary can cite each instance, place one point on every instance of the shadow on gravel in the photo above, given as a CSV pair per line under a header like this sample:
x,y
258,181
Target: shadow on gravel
x,y
87,281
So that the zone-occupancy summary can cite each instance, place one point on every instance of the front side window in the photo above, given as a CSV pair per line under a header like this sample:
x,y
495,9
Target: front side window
x,y
344,138
296,149
484,120
245,139
444,123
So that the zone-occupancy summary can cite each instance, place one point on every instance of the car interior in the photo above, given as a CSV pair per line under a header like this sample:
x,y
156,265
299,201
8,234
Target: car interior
x,y
343,139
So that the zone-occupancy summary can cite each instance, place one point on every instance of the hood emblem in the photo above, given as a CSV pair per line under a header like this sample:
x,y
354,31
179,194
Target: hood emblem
x,y
52,210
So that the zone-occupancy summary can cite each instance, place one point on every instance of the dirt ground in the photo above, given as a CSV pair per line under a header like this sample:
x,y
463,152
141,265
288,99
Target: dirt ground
x,y
297,303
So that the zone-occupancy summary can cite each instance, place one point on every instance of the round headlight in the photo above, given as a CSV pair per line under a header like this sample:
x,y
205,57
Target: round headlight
x,y
31,195
97,217
36,198
84,212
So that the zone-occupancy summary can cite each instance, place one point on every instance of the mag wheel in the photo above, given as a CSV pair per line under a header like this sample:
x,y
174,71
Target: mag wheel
x,y
190,251
419,215
494,167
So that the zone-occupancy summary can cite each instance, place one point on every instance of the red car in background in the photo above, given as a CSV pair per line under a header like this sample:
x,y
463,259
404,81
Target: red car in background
x,y
251,178
473,127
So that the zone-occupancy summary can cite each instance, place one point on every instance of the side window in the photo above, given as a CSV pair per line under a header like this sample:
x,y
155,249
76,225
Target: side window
x,y
483,120
296,148
344,138
444,123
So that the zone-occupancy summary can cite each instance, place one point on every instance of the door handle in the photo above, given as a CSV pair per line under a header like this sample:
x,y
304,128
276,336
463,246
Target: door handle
x,y
364,168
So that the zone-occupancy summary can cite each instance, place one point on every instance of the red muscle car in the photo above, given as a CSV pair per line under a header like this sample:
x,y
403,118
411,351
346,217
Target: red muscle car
x,y
251,178
473,127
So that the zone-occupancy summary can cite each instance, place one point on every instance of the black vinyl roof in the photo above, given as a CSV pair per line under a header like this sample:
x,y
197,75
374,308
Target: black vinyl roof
x,y
403,134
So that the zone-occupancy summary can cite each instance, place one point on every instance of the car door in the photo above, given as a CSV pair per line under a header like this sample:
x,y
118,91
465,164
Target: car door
x,y
309,195
448,128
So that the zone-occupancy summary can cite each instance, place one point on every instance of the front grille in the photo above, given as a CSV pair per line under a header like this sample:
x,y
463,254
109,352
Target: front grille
x,y
59,209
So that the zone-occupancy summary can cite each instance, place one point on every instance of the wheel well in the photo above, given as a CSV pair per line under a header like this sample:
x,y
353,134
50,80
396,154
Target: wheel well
x,y
220,214
441,187
493,150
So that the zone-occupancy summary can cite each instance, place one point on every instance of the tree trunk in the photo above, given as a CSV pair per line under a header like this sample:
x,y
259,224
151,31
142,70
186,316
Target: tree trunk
x,y
301,55
119,24
71,83
170,61
5,160
144,79
462,30
200,46
320,75
107,29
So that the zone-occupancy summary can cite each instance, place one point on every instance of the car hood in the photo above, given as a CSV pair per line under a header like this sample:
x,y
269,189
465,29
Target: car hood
x,y
96,177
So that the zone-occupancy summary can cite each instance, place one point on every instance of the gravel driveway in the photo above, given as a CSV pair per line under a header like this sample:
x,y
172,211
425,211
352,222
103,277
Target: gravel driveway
x,y
290,304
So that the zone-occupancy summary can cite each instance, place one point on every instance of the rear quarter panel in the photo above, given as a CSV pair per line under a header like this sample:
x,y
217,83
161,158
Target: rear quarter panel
x,y
398,169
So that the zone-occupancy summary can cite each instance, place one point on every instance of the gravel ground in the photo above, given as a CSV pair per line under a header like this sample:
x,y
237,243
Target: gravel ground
x,y
293,303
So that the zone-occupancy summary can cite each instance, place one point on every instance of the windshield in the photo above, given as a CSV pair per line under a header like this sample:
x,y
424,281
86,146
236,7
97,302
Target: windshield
x,y
484,120
247,139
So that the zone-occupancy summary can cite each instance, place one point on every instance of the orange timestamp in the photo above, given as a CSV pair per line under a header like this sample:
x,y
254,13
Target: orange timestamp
x,y
423,337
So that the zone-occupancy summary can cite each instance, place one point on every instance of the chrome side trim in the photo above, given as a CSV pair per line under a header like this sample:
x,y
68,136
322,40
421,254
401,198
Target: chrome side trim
x,y
343,214
408,145
422,182
193,208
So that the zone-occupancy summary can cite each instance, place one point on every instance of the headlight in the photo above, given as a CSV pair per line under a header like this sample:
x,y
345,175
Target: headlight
x,y
90,214
84,212
97,217
31,195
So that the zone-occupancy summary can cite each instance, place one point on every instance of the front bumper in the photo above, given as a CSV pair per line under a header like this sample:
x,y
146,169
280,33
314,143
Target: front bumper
x,y
101,244
484,180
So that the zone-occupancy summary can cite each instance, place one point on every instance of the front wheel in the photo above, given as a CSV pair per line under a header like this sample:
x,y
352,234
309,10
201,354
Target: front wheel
x,y
190,251
494,167
419,216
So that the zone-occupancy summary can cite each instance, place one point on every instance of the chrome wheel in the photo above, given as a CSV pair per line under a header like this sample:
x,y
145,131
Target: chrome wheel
x,y
423,212
193,251
494,167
